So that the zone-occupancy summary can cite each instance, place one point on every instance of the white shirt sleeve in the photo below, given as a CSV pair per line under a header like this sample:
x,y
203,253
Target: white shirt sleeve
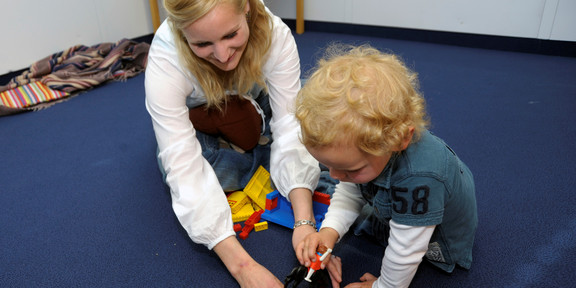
x,y
197,197
291,166
406,248
345,206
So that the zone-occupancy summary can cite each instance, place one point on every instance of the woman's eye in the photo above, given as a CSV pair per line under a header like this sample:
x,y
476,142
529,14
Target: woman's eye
x,y
231,35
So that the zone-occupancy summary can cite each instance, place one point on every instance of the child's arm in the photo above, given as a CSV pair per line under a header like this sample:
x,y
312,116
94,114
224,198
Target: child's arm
x,y
406,248
344,208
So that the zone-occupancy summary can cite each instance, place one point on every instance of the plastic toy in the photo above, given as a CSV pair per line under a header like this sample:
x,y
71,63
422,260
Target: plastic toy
x,y
249,224
261,226
320,279
321,253
279,210
245,212
258,187
237,200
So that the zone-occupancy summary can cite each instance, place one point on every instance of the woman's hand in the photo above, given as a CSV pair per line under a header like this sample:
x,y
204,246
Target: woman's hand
x,y
306,249
255,275
301,200
300,234
247,272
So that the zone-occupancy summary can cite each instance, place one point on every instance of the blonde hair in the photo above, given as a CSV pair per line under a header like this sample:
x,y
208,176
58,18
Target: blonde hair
x,y
360,96
182,13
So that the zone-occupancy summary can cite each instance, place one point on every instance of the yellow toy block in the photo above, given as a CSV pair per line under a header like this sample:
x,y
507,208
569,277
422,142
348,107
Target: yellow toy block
x,y
237,200
245,212
259,186
261,226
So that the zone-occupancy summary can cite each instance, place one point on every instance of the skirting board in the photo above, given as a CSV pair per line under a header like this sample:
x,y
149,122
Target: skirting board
x,y
515,44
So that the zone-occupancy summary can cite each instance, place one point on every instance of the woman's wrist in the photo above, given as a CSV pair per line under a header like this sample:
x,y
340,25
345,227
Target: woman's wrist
x,y
233,255
301,222
301,200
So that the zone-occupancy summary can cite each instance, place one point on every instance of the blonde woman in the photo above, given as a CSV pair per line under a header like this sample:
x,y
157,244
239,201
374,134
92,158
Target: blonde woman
x,y
221,80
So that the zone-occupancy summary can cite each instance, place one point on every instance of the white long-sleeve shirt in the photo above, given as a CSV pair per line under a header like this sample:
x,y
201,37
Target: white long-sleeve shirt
x,y
197,197
406,244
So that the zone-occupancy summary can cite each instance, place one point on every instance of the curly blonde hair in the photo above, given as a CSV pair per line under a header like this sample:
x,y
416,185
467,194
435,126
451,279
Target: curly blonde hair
x,y
215,83
358,95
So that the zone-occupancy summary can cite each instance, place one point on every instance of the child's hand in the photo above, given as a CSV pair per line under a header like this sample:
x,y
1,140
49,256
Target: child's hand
x,y
306,249
334,267
367,281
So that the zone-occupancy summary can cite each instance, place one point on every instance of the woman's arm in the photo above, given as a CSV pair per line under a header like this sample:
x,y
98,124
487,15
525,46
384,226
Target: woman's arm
x,y
246,271
197,197
291,166
301,200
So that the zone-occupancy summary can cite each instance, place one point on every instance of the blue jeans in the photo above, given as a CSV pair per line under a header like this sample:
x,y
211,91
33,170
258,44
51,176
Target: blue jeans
x,y
234,169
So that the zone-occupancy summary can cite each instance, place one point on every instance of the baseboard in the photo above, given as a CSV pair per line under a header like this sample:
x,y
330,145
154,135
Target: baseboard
x,y
516,44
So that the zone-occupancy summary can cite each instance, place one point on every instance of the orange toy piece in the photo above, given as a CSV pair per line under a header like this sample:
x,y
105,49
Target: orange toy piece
x,y
321,253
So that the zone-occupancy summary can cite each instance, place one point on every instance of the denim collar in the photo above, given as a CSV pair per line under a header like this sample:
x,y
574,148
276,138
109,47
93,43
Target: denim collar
x,y
384,179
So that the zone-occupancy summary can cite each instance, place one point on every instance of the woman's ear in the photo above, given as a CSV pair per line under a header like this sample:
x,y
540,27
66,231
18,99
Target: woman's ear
x,y
247,8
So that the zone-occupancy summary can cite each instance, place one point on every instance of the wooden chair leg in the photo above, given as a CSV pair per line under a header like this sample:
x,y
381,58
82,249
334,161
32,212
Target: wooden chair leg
x,y
155,14
299,16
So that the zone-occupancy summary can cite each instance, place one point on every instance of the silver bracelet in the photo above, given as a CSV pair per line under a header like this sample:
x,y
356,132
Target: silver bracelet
x,y
304,222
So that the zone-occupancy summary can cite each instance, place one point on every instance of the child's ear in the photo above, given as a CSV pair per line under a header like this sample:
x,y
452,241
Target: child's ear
x,y
406,141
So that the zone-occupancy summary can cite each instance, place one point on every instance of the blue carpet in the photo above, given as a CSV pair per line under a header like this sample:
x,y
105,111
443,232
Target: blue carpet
x,y
82,203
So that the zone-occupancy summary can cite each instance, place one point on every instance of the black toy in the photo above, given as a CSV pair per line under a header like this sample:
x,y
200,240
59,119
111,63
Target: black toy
x,y
320,279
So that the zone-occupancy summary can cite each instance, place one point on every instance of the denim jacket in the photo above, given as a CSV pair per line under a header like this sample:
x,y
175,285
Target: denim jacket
x,y
427,184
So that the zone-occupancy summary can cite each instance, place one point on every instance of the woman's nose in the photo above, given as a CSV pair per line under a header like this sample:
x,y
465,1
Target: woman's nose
x,y
221,52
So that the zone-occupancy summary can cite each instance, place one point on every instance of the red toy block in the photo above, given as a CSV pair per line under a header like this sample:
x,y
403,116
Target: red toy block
x,y
237,227
243,235
321,198
271,204
255,218
249,224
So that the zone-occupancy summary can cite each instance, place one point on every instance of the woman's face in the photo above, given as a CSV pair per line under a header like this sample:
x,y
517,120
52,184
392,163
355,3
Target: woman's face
x,y
220,36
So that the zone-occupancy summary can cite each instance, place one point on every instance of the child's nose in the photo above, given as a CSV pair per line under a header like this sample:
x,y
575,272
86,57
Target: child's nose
x,y
336,174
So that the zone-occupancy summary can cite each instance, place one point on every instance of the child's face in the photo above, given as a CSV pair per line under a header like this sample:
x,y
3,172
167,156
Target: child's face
x,y
347,163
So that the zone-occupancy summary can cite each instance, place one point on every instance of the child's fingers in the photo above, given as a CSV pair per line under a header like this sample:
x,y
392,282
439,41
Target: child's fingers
x,y
334,267
367,277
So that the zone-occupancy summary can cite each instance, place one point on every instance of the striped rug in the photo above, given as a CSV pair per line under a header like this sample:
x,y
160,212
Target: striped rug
x,y
29,95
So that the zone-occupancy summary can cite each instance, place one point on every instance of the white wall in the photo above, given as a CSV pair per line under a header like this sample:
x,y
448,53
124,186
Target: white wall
x,y
34,29
539,19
